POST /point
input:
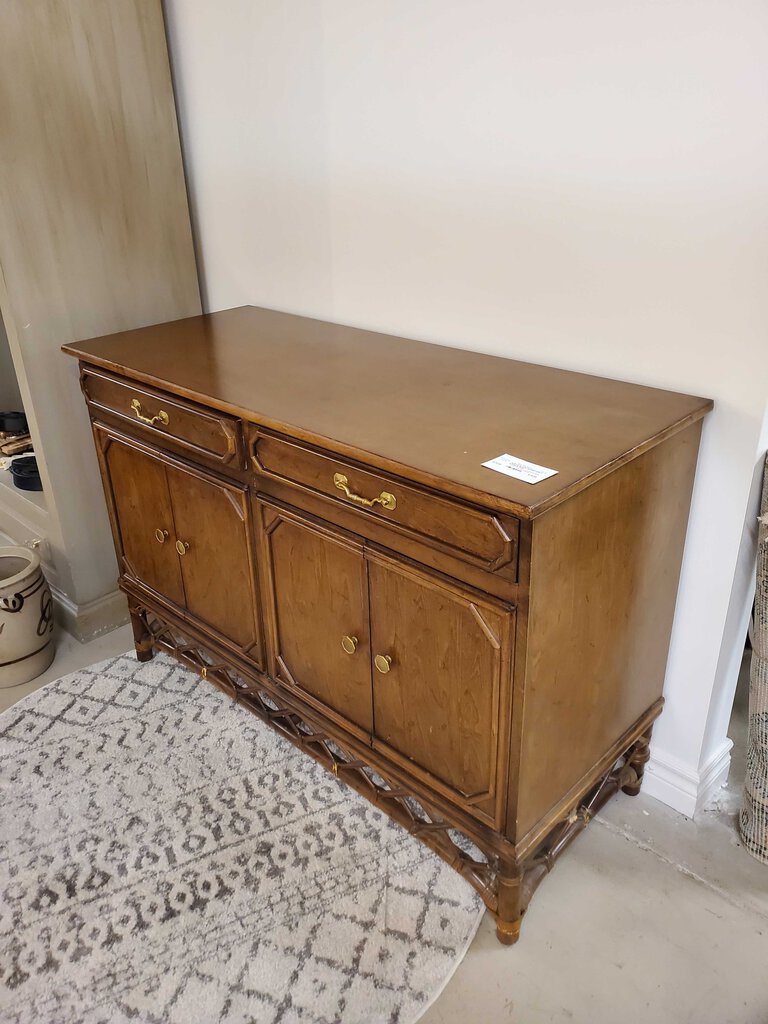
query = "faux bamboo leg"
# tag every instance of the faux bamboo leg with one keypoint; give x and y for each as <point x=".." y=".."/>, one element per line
<point x="142" y="638"/>
<point x="509" y="912"/>
<point x="638" y="759"/>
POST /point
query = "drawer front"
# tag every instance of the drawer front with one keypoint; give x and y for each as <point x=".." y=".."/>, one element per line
<point x="196" y="431"/>
<point x="473" y="534"/>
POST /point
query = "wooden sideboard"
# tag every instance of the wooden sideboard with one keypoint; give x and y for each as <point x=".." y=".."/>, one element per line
<point x="301" y="513"/>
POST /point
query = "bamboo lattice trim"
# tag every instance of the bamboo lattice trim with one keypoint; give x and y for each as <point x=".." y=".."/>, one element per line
<point x="480" y="868"/>
<point x="457" y="849"/>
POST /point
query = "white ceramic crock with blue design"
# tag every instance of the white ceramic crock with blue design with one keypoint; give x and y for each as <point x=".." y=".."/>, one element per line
<point x="26" y="617"/>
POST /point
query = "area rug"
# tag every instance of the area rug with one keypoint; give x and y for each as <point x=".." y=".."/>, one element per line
<point x="167" y="858"/>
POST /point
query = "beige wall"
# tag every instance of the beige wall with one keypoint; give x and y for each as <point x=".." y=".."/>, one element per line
<point x="580" y="184"/>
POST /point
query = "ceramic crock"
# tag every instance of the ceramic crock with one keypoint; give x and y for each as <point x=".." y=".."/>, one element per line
<point x="26" y="617"/>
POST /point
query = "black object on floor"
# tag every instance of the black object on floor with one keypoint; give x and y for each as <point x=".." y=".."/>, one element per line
<point x="13" y="423"/>
<point x="25" y="473"/>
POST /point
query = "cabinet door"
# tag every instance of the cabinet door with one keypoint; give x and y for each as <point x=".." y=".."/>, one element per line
<point x="144" y="527"/>
<point x="318" y="596"/>
<point x="214" y="550"/>
<point x="441" y="665"/>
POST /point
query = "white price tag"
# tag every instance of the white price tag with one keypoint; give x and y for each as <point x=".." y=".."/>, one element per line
<point x="510" y="465"/>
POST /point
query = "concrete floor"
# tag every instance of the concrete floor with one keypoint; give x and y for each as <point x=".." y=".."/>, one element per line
<point x="649" y="917"/>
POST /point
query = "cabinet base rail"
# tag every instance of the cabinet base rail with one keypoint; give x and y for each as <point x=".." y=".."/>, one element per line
<point x="504" y="883"/>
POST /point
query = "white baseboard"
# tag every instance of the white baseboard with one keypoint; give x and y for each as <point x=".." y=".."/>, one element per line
<point x="89" y="620"/>
<point x="714" y="775"/>
<point x="683" y="788"/>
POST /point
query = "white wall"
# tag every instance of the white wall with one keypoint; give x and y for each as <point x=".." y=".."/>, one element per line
<point x="739" y="613"/>
<point x="583" y="185"/>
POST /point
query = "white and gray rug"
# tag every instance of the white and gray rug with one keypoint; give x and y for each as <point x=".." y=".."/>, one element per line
<point x="167" y="858"/>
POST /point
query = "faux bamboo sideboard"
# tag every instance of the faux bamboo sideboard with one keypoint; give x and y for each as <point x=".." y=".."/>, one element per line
<point x="302" y="513"/>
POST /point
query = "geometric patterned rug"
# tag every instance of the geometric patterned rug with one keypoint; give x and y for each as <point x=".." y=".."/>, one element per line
<point x="165" y="858"/>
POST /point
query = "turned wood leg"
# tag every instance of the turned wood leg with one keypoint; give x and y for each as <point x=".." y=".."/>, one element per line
<point x="509" y="913"/>
<point x="638" y="759"/>
<point x="142" y="639"/>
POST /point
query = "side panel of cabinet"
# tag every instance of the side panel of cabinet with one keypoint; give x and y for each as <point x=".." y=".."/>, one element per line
<point x="315" y="595"/>
<point x="441" y="705"/>
<point x="605" y="569"/>
<point x="212" y="520"/>
<point x="137" y="492"/>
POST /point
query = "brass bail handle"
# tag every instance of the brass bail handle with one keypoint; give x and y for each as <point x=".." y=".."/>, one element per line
<point x="385" y="499"/>
<point x="161" y="417"/>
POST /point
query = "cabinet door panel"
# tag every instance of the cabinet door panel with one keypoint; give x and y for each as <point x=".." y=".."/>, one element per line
<point x="142" y="506"/>
<point x="437" y="704"/>
<point x="213" y="519"/>
<point x="319" y="595"/>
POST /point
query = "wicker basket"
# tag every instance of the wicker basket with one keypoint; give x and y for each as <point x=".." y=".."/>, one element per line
<point x="753" y="820"/>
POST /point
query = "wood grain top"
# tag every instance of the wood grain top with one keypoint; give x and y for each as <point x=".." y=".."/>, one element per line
<point x="429" y="412"/>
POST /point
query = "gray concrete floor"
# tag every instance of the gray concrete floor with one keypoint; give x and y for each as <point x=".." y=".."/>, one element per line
<point x="649" y="916"/>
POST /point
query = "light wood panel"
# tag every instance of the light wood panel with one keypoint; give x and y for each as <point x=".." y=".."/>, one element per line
<point x="94" y="228"/>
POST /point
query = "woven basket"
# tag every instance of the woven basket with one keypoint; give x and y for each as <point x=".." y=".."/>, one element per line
<point x="753" y="819"/>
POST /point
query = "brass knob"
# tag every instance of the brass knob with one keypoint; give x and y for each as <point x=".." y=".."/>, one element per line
<point x="161" y="536"/>
<point x="383" y="663"/>
<point x="349" y="643"/>
<point x="182" y="547"/>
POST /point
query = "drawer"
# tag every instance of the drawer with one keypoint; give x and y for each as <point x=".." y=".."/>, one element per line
<point x="195" y="431"/>
<point x="474" y="534"/>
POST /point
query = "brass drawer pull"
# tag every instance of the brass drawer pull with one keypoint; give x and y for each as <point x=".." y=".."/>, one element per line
<point x="349" y="643"/>
<point x="383" y="663"/>
<point x="385" y="499"/>
<point x="161" y="536"/>
<point x="182" y="547"/>
<point x="161" y="417"/>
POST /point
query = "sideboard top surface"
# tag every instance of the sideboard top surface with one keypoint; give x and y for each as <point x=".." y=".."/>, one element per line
<point x="433" y="412"/>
